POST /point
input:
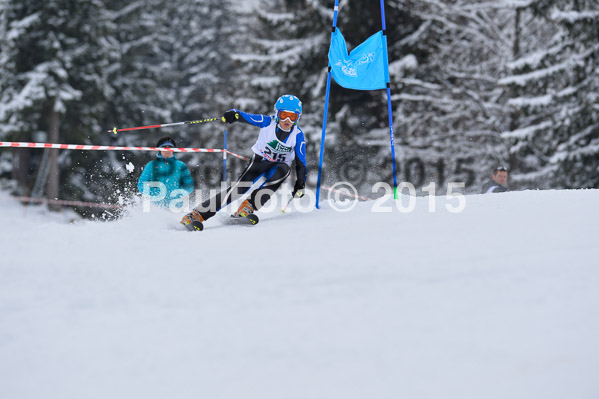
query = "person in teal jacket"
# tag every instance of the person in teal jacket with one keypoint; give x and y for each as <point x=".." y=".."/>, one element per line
<point x="171" y="172"/>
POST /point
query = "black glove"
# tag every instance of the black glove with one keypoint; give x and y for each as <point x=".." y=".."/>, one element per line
<point x="298" y="189"/>
<point x="231" y="116"/>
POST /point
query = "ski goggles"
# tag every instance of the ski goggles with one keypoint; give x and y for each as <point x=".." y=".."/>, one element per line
<point x="501" y="169"/>
<point x="292" y="116"/>
<point x="167" y="144"/>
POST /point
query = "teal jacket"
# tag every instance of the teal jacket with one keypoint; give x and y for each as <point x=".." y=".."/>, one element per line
<point x="169" y="171"/>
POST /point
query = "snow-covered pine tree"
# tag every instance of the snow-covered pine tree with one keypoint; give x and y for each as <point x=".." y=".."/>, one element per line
<point x="54" y="60"/>
<point x="282" y="49"/>
<point x="143" y="76"/>
<point x="201" y="56"/>
<point x="555" y="93"/>
<point x="361" y="147"/>
<point x="449" y="105"/>
<point x="15" y="163"/>
<point x="174" y="66"/>
<point x="287" y="53"/>
<point x="144" y="82"/>
<point x="284" y="52"/>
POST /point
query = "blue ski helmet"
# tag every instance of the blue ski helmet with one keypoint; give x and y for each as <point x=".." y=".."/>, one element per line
<point x="287" y="102"/>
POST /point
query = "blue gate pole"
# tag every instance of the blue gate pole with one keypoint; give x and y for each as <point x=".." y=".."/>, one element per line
<point x="324" y="128"/>
<point x="225" y="158"/>
<point x="326" y="110"/>
<point x="389" y="108"/>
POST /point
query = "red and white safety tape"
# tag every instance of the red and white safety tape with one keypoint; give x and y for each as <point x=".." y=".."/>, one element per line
<point x="82" y="147"/>
<point x="70" y="203"/>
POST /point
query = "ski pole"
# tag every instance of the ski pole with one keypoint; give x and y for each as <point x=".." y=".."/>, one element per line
<point x="291" y="199"/>
<point x="115" y="130"/>
<point x="287" y="206"/>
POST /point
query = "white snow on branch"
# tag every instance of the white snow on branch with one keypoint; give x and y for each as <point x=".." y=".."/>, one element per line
<point x="573" y="16"/>
<point x="17" y="27"/>
<point x="514" y="3"/>
<point x="511" y="4"/>
<point x="590" y="149"/>
<point x="246" y="57"/>
<point x="570" y="148"/>
<point x="531" y="60"/>
<point x="244" y="103"/>
<point x="278" y="45"/>
<point x="422" y="98"/>
<point x="247" y="6"/>
<point x="397" y="68"/>
<point x="276" y="18"/>
<point x="531" y="101"/>
<point x="31" y="92"/>
<point x="522" y="80"/>
<point x="566" y="92"/>
<point x="526" y="132"/>
<point x="532" y="176"/>
<point x="415" y="37"/>
<point x="288" y="51"/>
<point x="421" y="83"/>
<point x="266" y="81"/>
<point x="127" y="10"/>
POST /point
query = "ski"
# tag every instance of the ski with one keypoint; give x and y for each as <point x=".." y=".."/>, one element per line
<point x="249" y="220"/>
<point x="194" y="226"/>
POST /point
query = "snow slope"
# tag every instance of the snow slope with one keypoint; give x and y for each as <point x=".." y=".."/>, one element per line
<point x="498" y="301"/>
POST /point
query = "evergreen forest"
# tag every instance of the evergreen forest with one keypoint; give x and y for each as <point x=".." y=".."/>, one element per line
<point x="475" y="84"/>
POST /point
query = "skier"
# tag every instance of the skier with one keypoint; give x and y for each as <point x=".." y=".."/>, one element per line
<point x="279" y="142"/>
<point x="169" y="171"/>
<point x="498" y="182"/>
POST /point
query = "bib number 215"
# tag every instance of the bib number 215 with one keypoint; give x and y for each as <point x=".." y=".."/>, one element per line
<point x="275" y="156"/>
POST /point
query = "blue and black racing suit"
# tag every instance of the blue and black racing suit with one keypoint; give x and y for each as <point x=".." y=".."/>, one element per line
<point x="274" y="152"/>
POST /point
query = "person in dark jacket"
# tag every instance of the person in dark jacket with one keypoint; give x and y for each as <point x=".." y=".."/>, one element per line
<point x="498" y="182"/>
<point x="169" y="171"/>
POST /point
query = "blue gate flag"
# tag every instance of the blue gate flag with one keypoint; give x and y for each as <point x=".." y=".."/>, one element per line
<point x="364" y="68"/>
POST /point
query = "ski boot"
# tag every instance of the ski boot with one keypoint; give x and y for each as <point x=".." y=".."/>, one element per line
<point x="193" y="221"/>
<point x="245" y="214"/>
<point x="244" y="210"/>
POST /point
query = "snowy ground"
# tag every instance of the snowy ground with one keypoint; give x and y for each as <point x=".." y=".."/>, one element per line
<point x="498" y="301"/>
